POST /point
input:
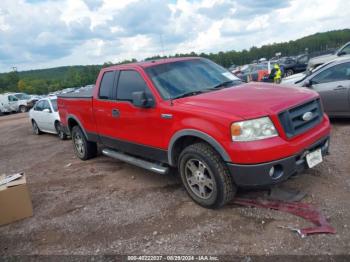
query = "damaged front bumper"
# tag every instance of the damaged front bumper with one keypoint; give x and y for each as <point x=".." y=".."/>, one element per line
<point x="271" y="173"/>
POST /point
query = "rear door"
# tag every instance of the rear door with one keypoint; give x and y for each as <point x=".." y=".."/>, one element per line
<point x="48" y="117"/>
<point x="104" y="108"/>
<point x="333" y="85"/>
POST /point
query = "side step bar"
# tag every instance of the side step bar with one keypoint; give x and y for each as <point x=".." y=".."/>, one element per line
<point x="136" y="161"/>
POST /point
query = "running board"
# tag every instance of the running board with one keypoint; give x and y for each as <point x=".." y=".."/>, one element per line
<point x="136" y="161"/>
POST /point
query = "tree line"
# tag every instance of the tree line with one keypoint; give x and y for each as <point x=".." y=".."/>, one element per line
<point x="44" y="81"/>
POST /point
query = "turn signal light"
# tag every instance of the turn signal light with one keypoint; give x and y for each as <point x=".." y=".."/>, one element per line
<point x="236" y="130"/>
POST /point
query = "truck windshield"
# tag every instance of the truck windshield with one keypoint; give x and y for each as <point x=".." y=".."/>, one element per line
<point x="177" y="79"/>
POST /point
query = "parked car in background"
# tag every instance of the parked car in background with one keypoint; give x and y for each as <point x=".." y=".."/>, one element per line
<point x="292" y="65"/>
<point x="296" y="78"/>
<point x="10" y="103"/>
<point x="26" y="101"/>
<point x="253" y="72"/>
<point x="44" y="117"/>
<point x="192" y="114"/>
<point x="332" y="82"/>
<point x="232" y="67"/>
<point x="319" y="60"/>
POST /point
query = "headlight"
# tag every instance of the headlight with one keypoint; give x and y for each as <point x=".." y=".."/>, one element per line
<point x="251" y="130"/>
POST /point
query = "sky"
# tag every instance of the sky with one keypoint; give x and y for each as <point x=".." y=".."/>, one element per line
<point x="48" y="33"/>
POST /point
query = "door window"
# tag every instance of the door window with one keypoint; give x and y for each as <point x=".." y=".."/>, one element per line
<point x="12" y="98"/>
<point x="106" y="86"/>
<point x="39" y="106"/>
<point x="336" y="73"/>
<point x="346" y="50"/>
<point x="54" y="104"/>
<point x="46" y="105"/>
<point x="129" y="81"/>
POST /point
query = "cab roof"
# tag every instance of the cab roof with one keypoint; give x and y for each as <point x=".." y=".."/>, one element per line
<point x="150" y="63"/>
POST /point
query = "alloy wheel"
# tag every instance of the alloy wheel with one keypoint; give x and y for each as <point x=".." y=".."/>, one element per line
<point x="35" y="128"/>
<point x="199" y="178"/>
<point x="79" y="144"/>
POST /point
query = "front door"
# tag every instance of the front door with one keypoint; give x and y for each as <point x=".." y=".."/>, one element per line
<point x="130" y="129"/>
<point x="13" y="103"/>
<point x="333" y="85"/>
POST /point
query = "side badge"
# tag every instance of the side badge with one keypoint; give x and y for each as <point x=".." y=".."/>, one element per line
<point x="167" y="116"/>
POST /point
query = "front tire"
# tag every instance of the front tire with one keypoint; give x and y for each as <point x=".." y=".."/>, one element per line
<point x="60" y="132"/>
<point x="83" y="148"/>
<point x="205" y="176"/>
<point x="36" y="129"/>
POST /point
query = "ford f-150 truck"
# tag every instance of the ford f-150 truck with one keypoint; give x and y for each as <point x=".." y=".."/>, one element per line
<point x="194" y="115"/>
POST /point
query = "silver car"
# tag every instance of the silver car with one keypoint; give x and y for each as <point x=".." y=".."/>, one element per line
<point x="332" y="82"/>
<point x="319" y="60"/>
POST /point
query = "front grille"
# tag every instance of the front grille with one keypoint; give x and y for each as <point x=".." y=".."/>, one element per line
<point x="292" y="119"/>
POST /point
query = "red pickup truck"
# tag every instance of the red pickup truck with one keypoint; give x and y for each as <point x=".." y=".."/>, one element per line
<point x="194" y="115"/>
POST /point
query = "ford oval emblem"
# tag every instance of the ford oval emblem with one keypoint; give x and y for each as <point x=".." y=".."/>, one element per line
<point x="307" y="116"/>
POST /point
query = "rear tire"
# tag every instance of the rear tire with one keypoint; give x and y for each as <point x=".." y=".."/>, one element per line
<point x="205" y="176"/>
<point x="36" y="129"/>
<point x="83" y="148"/>
<point x="60" y="131"/>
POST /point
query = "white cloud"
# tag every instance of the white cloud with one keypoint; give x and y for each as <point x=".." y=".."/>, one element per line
<point x="46" y="33"/>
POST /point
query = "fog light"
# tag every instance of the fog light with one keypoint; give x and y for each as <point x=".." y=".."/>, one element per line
<point x="272" y="171"/>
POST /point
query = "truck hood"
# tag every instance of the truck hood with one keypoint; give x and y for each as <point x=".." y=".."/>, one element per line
<point x="251" y="100"/>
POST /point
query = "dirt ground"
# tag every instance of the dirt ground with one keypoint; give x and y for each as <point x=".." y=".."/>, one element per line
<point x="103" y="206"/>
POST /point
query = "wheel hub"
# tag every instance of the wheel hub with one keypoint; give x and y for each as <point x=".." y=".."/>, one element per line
<point x="199" y="178"/>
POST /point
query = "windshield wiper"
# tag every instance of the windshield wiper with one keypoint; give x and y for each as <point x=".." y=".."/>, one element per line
<point x="222" y="84"/>
<point x="192" y="93"/>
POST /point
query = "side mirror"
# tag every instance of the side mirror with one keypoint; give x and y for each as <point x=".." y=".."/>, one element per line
<point x="47" y="110"/>
<point x="141" y="99"/>
<point x="308" y="84"/>
<point x="341" y="53"/>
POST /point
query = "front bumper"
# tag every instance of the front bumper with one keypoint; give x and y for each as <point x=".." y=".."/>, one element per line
<point x="258" y="174"/>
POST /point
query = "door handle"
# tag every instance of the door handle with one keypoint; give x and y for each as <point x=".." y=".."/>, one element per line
<point x="340" y="88"/>
<point x="115" y="113"/>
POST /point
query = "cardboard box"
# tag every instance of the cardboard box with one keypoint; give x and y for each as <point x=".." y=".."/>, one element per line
<point x="15" y="201"/>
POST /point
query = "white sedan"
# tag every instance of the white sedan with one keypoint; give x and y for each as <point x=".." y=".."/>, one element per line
<point x="45" y="118"/>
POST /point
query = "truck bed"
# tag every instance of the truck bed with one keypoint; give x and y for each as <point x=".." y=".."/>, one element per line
<point x="81" y="94"/>
<point x="77" y="106"/>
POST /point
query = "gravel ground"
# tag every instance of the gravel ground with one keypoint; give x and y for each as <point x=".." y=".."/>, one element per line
<point x="103" y="206"/>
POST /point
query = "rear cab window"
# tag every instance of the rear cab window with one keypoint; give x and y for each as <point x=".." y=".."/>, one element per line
<point x="107" y="85"/>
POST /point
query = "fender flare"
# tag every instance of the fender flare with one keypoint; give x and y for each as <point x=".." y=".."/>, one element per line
<point x="79" y="124"/>
<point x="204" y="136"/>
